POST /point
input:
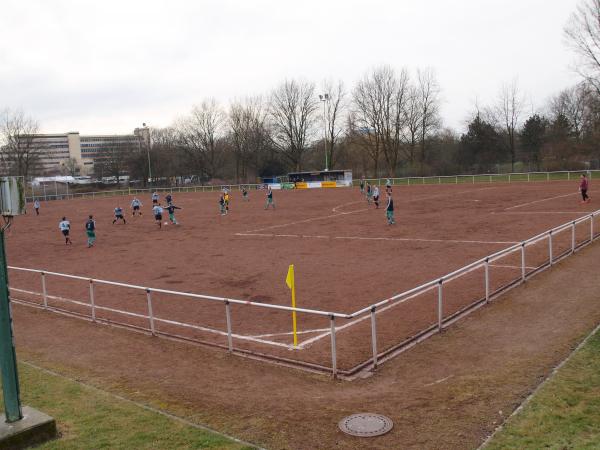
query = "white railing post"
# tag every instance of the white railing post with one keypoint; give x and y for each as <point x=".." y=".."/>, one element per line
<point x="150" y="315"/>
<point x="547" y="176"/>
<point x="550" y="247"/>
<point x="490" y="178"/>
<point x="573" y="237"/>
<point x="509" y="177"/>
<point x="228" y="317"/>
<point x="92" y="301"/>
<point x="591" y="227"/>
<point x="440" y="305"/>
<point x="439" y="180"/>
<point x="44" y="293"/>
<point x="523" y="261"/>
<point x="374" y="337"/>
<point x="455" y="179"/>
<point x="487" y="280"/>
<point x="473" y="179"/>
<point x="528" y="179"/>
<point x="569" y="176"/>
<point x="333" y="349"/>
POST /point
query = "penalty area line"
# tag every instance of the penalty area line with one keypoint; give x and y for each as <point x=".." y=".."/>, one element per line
<point x="539" y="201"/>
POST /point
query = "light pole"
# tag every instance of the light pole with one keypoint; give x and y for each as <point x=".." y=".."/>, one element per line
<point x="144" y="133"/>
<point x="325" y="98"/>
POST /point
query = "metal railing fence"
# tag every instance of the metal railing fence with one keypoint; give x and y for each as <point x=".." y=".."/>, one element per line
<point x="370" y="312"/>
<point x="52" y="192"/>
<point x="563" y="175"/>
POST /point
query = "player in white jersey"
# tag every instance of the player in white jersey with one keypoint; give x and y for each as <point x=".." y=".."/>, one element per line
<point x="135" y="206"/>
<point x="119" y="215"/>
<point x="155" y="198"/>
<point x="158" y="212"/>
<point x="65" y="226"/>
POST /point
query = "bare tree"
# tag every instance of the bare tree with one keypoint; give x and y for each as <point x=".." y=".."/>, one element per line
<point x="583" y="35"/>
<point x="413" y="122"/>
<point x="198" y="136"/>
<point x="429" y="105"/>
<point x="572" y="104"/>
<point x="507" y="113"/>
<point x="293" y="113"/>
<point x="18" y="152"/>
<point x="249" y="134"/>
<point x="71" y="167"/>
<point x="379" y="116"/>
<point x="114" y="162"/>
<point x="334" y="97"/>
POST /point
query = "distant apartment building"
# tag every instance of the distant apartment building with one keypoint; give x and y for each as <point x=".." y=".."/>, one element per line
<point x="57" y="153"/>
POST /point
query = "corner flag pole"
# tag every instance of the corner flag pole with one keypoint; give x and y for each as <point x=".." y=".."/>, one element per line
<point x="289" y="280"/>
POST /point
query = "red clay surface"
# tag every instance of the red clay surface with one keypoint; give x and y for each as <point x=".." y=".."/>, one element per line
<point x="346" y="257"/>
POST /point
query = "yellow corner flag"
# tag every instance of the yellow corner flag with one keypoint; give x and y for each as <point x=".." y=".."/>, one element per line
<point x="289" y="280"/>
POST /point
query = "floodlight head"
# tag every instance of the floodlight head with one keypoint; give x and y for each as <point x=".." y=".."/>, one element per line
<point x="144" y="124"/>
<point x="326" y="96"/>
<point x="320" y="97"/>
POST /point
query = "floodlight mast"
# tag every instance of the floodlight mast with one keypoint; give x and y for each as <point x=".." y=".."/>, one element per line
<point x="325" y="98"/>
<point x="8" y="357"/>
<point x="12" y="203"/>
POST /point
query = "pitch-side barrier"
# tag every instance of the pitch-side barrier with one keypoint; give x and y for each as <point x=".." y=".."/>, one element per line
<point x="566" y="235"/>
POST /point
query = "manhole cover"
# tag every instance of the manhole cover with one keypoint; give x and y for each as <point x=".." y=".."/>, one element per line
<point x="366" y="424"/>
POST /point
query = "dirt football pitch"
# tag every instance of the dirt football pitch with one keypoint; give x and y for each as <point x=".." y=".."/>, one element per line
<point x="345" y="255"/>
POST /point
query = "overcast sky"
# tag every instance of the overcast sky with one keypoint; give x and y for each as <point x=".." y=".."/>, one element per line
<point x="107" y="66"/>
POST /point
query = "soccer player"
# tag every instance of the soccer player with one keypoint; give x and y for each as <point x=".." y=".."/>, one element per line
<point x="65" y="226"/>
<point x="269" y="198"/>
<point x="376" y="197"/>
<point x="171" y="210"/>
<point x="155" y="198"/>
<point x="389" y="210"/>
<point x="583" y="188"/>
<point x="362" y="185"/>
<point x="369" y="193"/>
<point x="222" y="205"/>
<point x="36" y="206"/>
<point x="90" y="229"/>
<point x="119" y="215"/>
<point x="158" y="212"/>
<point x="135" y="206"/>
<point x="388" y="187"/>
<point x="226" y="199"/>
<point x="245" y="194"/>
<point x="169" y="199"/>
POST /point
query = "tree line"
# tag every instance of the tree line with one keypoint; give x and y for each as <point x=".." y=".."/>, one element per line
<point x="387" y="124"/>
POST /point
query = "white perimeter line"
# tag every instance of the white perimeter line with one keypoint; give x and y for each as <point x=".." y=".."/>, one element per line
<point x="539" y="201"/>
<point x="507" y="266"/>
<point x="458" y="241"/>
<point x="312" y="219"/>
<point x="377" y="311"/>
<point x="451" y="241"/>
<point x="289" y="333"/>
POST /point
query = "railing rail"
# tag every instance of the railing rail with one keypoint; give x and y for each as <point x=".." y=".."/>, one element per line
<point x="372" y="310"/>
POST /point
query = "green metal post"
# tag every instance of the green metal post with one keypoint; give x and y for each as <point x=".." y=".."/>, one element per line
<point x="8" y="358"/>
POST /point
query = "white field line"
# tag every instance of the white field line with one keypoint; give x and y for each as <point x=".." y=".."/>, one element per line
<point x="539" y="201"/>
<point x="290" y="333"/>
<point x="377" y="311"/>
<point x="335" y="210"/>
<point x="156" y="319"/>
<point x="451" y="241"/>
<point x="507" y="266"/>
<point x="312" y="219"/>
